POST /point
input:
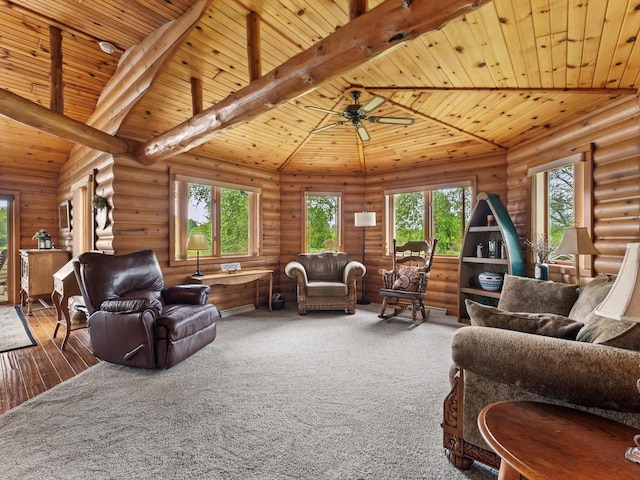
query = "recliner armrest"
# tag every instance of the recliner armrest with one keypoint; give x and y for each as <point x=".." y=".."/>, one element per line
<point x="192" y="294"/>
<point x="581" y="373"/>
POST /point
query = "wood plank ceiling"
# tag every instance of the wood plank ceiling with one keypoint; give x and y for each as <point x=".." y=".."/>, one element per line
<point x="483" y="83"/>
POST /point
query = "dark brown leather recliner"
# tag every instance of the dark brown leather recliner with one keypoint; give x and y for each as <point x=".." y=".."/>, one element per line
<point x="133" y="319"/>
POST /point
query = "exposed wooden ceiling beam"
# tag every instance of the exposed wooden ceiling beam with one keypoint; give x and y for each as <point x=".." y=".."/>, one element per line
<point x="24" y="111"/>
<point x="377" y="31"/>
<point x="57" y="86"/>
<point x="357" y="8"/>
<point x="583" y="91"/>
<point x="139" y="66"/>
<point x="442" y="124"/>
<point x="197" y="104"/>
<point x="254" y="52"/>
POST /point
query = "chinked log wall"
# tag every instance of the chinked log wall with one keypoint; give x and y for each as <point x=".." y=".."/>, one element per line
<point x="614" y="134"/>
<point x="487" y="173"/>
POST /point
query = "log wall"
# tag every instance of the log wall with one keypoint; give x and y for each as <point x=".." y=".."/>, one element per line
<point x="36" y="195"/>
<point x="613" y="134"/>
<point x="488" y="174"/>
<point x="139" y="216"/>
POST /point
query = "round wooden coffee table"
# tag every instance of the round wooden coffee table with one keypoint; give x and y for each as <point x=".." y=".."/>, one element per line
<point x="544" y="441"/>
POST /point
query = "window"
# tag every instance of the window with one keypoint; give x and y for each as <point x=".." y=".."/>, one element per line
<point x="423" y="214"/>
<point x="322" y="222"/>
<point x="560" y="197"/>
<point x="228" y="216"/>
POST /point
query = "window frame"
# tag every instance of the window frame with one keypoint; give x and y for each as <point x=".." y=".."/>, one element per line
<point x="389" y="210"/>
<point x="582" y="160"/>
<point x="339" y="219"/>
<point x="179" y="213"/>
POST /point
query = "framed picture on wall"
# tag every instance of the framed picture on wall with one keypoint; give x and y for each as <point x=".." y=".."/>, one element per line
<point x="65" y="215"/>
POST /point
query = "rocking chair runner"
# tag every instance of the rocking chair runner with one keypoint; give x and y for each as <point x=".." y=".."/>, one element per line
<point x="404" y="286"/>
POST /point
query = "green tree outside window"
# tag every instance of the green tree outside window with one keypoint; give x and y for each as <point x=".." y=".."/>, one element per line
<point x="322" y="222"/>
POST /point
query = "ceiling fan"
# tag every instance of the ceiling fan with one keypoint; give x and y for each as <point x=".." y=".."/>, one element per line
<point x="356" y="113"/>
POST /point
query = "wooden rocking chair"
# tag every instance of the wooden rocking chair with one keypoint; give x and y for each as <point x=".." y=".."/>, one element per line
<point x="404" y="286"/>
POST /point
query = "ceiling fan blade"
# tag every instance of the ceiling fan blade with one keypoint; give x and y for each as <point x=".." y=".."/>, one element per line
<point x="371" y="105"/>
<point x="362" y="132"/>
<point x="394" y="120"/>
<point x="324" y="110"/>
<point x="326" y="127"/>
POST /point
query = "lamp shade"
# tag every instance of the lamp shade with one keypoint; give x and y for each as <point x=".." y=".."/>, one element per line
<point x="576" y="241"/>
<point x="197" y="241"/>
<point x="365" y="219"/>
<point x="623" y="301"/>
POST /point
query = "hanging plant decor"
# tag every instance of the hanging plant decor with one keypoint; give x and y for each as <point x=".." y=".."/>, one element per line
<point x="100" y="209"/>
<point x="100" y="202"/>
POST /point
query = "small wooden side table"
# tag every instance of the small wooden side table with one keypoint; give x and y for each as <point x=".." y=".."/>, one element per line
<point x="65" y="286"/>
<point x="238" y="278"/>
<point x="539" y="441"/>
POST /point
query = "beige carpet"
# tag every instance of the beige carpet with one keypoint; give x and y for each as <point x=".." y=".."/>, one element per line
<point x="276" y="396"/>
<point x="14" y="332"/>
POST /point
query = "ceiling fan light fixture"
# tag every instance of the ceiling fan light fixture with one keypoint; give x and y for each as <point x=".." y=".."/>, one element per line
<point x="356" y="114"/>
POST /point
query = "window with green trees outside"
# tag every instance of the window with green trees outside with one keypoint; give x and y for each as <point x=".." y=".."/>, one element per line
<point x="322" y="222"/>
<point x="423" y="214"/>
<point x="226" y="214"/>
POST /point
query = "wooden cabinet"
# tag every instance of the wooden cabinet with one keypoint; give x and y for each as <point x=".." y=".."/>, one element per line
<point x="37" y="268"/>
<point x="489" y="223"/>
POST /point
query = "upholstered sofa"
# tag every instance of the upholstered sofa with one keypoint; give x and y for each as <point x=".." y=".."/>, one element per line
<point x="133" y="319"/>
<point x="325" y="281"/>
<point x="542" y="343"/>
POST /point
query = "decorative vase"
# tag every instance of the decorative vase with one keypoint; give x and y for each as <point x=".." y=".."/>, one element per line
<point x="490" y="281"/>
<point x="541" y="271"/>
<point x="101" y="218"/>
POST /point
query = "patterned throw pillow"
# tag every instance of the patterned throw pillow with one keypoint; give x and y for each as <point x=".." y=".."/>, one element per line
<point x="408" y="279"/>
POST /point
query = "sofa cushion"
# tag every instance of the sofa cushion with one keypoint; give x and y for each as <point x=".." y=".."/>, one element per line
<point x="327" y="289"/>
<point x="610" y="332"/>
<point x="590" y="296"/>
<point x="547" y="324"/>
<point x="408" y="279"/>
<point x="324" y="266"/>
<point x="521" y="294"/>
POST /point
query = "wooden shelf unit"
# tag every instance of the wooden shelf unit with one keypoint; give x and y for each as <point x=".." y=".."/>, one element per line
<point x="471" y="265"/>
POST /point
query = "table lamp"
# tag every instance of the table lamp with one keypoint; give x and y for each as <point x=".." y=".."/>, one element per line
<point x="623" y="303"/>
<point x="197" y="242"/>
<point x="576" y="241"/>
<point x="363" y="220"/>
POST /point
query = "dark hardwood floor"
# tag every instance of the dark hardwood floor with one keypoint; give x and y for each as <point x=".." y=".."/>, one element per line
<point x="27" y="372"/>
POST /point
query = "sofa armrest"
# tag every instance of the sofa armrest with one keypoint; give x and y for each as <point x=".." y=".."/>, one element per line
<point x="297" y="271"/>
<point x="192" y="294"/>
<point x="352" y="271"/>
<point x="581" y="373"/>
